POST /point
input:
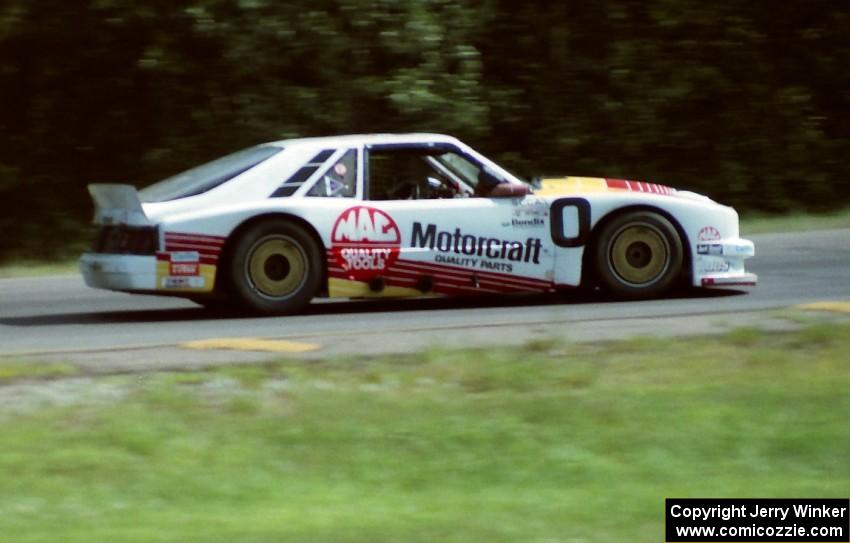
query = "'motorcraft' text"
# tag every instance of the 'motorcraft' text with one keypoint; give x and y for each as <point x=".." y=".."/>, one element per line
<point x="465" y="244"/>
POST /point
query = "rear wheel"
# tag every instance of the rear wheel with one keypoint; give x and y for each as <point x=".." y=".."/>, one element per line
<point x="275" y="267"/>
<point x="638" y="255"/>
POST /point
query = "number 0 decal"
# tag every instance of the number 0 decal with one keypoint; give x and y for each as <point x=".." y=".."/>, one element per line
<point x="581" y="228"/>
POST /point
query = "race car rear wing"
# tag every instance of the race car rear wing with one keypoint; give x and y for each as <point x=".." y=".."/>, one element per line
<point x="117" y="204"/>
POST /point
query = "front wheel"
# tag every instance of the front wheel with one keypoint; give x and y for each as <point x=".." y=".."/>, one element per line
<point x="638" y="255"/>
<point x="276" y="268"/>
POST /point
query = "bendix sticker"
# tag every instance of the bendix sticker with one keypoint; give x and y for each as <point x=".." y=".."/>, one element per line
<point x="365" y="242"/>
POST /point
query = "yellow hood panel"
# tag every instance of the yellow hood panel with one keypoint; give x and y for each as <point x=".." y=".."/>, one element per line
<point x="585" y="185"/>
<point x="571" y="185"/>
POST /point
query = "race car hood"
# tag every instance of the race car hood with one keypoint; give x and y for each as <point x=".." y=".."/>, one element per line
<point x="584" y="185"/>
<point x="117" y="204"/>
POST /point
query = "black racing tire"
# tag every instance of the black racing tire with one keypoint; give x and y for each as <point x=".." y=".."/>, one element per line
<point x="275" y="268"/>
<point x="638" y="255"/>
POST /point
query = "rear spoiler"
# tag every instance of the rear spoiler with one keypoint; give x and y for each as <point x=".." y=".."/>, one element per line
<point x="117" y="204"/>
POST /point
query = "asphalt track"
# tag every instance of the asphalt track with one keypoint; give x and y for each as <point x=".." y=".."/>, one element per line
<point x="60" y="317"/>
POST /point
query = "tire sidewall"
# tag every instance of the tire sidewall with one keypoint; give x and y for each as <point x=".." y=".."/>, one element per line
<point x="242" y="285"/>
<point x="608" y="277"/>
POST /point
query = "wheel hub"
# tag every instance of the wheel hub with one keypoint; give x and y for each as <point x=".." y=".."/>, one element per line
<point x="276" y="266"/>
<point x="639" y="254"/>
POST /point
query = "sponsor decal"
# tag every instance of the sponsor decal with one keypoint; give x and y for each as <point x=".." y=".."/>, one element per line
<point x="183" y="282"/>
<point x="188" y="261"/>
<point x="530" y="202"/>
<point x="183" y="263"/>
<point x="185" y="247"/>
<point x="365" y="242"/>
<point x="474" y="263"/>
<point x="469" y="251"/>
<point x="527" y="222"/>
<point x="709" y="233"/>
<point x="531" y="205"/>
<point x="185" y="256"/>
<point x="184" y="268"/>
<point x="529" y="213"/>
<point x="713" y="249"/>
<point x="716" y="266"/>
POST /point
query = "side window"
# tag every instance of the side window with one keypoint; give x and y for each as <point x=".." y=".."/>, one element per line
<point x="340" y="181"/>
<point x="410" y="174"/>
<point x="291" y="185"/>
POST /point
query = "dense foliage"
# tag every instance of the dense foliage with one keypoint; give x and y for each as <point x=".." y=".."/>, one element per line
<point x="747" y="101"/>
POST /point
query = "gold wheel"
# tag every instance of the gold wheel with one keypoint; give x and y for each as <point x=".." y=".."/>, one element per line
<point x="276" y="266"/>
<point x="639" y="254"/>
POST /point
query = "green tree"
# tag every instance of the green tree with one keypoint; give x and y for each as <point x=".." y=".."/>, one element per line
<point x="746" y="102"/>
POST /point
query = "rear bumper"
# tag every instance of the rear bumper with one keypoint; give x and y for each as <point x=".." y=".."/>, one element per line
<point x="172" y="274"/>
<point x="119" y="272"/>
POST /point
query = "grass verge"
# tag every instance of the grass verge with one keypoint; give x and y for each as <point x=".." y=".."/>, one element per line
<point x="797" y="222"/>
<point x="29" y="268"/>
<point x="12" y="370"/>
<point x="549" y="442"/>
<point x="28" y="263"/>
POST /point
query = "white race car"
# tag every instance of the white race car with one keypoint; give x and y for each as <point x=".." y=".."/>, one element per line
<point x="273" y="226"/>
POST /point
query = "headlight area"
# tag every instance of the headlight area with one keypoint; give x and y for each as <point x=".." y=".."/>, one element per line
<point x="721" y="263"/>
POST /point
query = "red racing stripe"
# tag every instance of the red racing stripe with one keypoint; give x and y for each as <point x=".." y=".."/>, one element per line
<point x="448" y="279"/>
<point x="639" y="186"/>
<point x="427" y="266"/>
<point x="195" y="238"/>
<point x="441" y="285"/>
<point x="207" y="247"/>
<point x="448" y="271"/>
<point x="192" y="248"/>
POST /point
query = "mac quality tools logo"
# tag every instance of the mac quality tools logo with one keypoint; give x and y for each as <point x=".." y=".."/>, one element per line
<point x="365" y="242"/>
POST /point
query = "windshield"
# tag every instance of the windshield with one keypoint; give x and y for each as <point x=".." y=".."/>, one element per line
<point x="461" y="167"/>
<point x="468" y="168"/>
<point x="207" y="176"/>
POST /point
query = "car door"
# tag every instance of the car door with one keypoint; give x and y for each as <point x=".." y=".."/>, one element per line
<point x="430" y="233"/>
